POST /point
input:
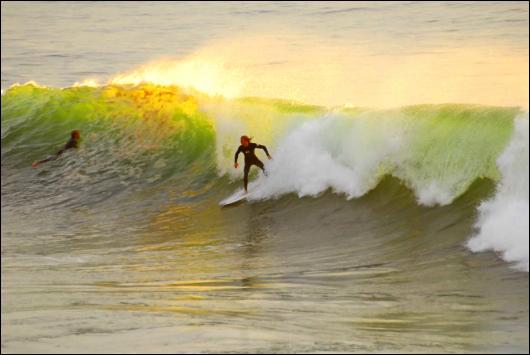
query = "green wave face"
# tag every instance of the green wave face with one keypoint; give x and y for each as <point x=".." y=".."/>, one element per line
<point x="148" y="149"/>
<point x="141" y="119"/>
<point x="452" y="145"/>
<point x="154" y="133"/>
<point x="134" y="140"/>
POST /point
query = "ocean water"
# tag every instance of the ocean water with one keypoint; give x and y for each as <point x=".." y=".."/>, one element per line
<point x="394" y="217"/>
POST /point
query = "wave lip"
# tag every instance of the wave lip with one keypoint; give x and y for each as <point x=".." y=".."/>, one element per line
<point x="503" y="220"/>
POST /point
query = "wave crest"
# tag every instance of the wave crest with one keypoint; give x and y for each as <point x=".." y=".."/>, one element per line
<point x="503" y="221"/>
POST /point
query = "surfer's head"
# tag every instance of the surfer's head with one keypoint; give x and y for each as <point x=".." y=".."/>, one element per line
<point x="75" y="134"/>
<point x="245" y="140"/>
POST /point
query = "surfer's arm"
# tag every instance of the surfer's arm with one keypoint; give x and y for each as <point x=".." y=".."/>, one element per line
<point x="236" y="156"/>
<point x="265" y="149"/>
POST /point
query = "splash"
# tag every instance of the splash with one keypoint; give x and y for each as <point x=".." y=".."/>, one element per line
<point x="210" y="76"/>
<point x="93" y="83"/>
<point x="503" y="222"/>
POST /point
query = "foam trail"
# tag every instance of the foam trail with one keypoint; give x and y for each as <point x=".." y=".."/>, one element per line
<point x="503" y="221"/>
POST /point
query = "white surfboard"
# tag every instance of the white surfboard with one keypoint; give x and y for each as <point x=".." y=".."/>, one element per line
<point x="236" y="197"/>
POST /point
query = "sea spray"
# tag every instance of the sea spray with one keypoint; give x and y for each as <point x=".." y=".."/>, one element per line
<point x="503" y="220"/>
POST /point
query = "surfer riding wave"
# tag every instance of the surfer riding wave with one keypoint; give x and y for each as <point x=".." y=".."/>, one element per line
<point x="247" y="148"/>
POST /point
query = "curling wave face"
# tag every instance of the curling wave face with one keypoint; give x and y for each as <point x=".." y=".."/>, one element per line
<point x="148" y="137"/>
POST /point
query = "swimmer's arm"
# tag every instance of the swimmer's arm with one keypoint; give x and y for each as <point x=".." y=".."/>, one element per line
<point x="53" y="157"/>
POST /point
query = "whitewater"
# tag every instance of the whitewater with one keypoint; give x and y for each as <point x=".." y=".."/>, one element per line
<point x="437" y="151"/>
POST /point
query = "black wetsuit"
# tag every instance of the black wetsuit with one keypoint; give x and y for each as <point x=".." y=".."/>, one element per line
<point x="250" y="158"/>
<point x="72" y="143"/>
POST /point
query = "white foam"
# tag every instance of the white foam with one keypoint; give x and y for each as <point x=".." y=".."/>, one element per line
<point x="347" y="155"/>
<point x="434" y="194"/>
<point x="503" y="221"/>
<point x="350" y="154"/>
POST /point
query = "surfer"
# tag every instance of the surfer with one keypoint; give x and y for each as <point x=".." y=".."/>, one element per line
<point x="250" y="158"/>
<point x="75" y="136"/>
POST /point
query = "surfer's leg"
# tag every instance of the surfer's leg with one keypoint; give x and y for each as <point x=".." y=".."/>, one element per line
<point x="260" y="165"/>
<point x="245" y="177"/>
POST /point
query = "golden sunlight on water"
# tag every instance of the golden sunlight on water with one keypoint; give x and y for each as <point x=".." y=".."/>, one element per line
<point x="328" y="74"/>
<point x="358" y="238"/>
